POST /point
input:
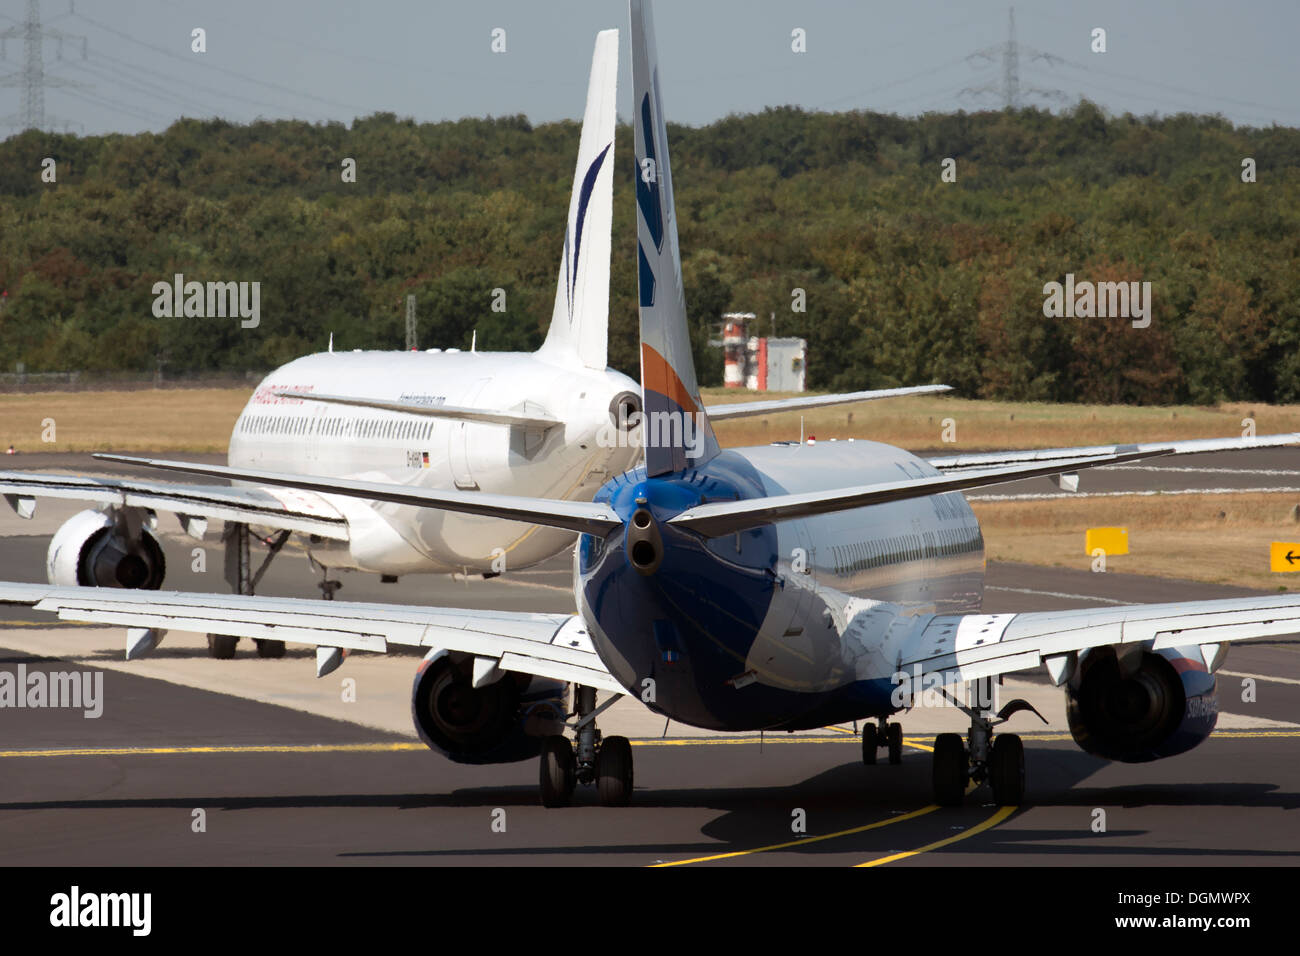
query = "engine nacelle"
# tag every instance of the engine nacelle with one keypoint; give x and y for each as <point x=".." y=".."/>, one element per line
<point x="94" y="550"/>
<point x="500" y="722"/>
<point x="1166" y="706"/>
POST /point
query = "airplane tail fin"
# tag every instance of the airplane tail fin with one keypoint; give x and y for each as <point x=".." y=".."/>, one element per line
<point x="580" y="321"/>
<point x="675" y="428"/>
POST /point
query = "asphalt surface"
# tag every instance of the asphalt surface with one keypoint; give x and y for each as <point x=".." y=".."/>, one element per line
<point x="279" y="786"/>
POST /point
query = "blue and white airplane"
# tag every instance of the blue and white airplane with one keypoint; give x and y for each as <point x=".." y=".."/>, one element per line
<point x="782" y="587"/>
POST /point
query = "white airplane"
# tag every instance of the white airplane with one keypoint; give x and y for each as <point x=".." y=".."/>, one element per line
<point x="781" y="587"/>
<point x="555" y="423"/>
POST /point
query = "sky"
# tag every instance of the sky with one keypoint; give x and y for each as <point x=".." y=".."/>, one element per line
<point x="433" y="60"/>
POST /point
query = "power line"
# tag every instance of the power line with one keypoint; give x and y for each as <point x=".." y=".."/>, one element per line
<point x="153" y="91"/>
<point x="189" y="61"/>
<point x="172" y="80"/>
<point x="139" y="113"/>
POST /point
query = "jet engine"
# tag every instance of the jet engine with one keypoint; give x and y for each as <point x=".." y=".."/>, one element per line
<point x="100" y="549"/>
<point x="501" y="720"/>
<point x="1141" y="705"/>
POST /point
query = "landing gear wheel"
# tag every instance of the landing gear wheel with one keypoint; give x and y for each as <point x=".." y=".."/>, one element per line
<point x="950" y="770"/>
<point x="894" y="737"/>
<point x="614" y="772"/>
<point x="222" y="646"/>
<point x="558" y="771"/>
<point x="269" y="648"/>
<point x="870" y="743"/>
<point x="1007" y="770"/>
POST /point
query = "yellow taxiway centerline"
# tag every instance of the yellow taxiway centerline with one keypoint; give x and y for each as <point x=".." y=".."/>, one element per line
<point x="1002" y="814"/>
<point x="805" y="840"/>
<point x="405" y="746"/>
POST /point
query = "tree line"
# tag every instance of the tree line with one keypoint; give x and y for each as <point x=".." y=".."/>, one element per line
<point x="906" y="275"/>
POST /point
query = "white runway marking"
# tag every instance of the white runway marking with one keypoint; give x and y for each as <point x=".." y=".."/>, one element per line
<point x="1263" y="677"/>
<point x="1059" y="594"/>
<point x="1205" y="471"/>
<point x="1119" y="494"/>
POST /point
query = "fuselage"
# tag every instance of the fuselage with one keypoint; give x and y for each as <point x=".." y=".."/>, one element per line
<point x="571" y="460"/>
<point x="786" y="625"/>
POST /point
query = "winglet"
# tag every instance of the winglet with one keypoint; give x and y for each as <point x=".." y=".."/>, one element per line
<point x="676" y="429"/>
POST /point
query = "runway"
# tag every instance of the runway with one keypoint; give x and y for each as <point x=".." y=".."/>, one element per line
<point x="285" y="773"/>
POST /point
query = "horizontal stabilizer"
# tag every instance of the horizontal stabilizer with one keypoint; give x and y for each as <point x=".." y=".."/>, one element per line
<point x="725" y="517"/>
<point x="718" y="413"/>
<point x="455" y="412"/>
<point x="581" y="516"/>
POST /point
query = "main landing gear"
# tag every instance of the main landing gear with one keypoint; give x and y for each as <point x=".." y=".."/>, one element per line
<point x="981" y="758"/>
<point x="887" y="735"/>
<point x="588" y="759"/>
<point x="243" y="580"/>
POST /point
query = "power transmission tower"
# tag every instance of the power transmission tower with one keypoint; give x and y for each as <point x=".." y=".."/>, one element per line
<point x="1009" y="52"/>
<point x="410" y="324"/>
<point x="32" y="78"/>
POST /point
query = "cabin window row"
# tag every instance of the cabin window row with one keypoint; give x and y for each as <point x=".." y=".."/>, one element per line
<point x="336" y="427"/>
<point x="865" y="555"/>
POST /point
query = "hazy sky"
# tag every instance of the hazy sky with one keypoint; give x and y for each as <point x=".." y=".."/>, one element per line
<point x="432" y="59"/>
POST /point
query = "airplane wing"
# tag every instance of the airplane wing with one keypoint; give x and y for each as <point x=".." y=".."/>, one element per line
<point x="718" y="413"/>
<point x="545" y="645"/>
<point x="965" y="647"/>
<point x="717" y="518"/>
<point x="582" y="516"/>
<point x="286" y="509"/>
<point x="537" y="419"/>
<point x="1194" y="446"/>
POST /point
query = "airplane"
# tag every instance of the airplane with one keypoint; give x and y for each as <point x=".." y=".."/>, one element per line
<point x="555" y="422"/>
<point x="782" y="587"/>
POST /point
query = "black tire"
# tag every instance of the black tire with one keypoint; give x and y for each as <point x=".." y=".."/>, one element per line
<point x="558" y="771"/>
<point x="614" y="772"/>
<point x="269" y="648"/>
<point x="894" y="737"/>
<point x="870" y="744"/>
<point x="222" y="646"/>
<point x="951" y="769"/>
<point x="1007" y="770"/>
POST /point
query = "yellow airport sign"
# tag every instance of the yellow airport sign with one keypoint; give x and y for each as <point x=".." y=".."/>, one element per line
<point x="1284" y="556"/>
<point x="1110" y="540"/>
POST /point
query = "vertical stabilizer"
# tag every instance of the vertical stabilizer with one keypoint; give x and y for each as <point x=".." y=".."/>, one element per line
<point x="579" y="331"/>
<point x="675" y="430"/>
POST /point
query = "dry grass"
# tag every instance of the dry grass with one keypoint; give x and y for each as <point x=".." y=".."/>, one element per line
<point x="1222" y="539"/>
<point x="191" y="420"/>
<point x="917" y="423"/>
<point x="200" y="420"/>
